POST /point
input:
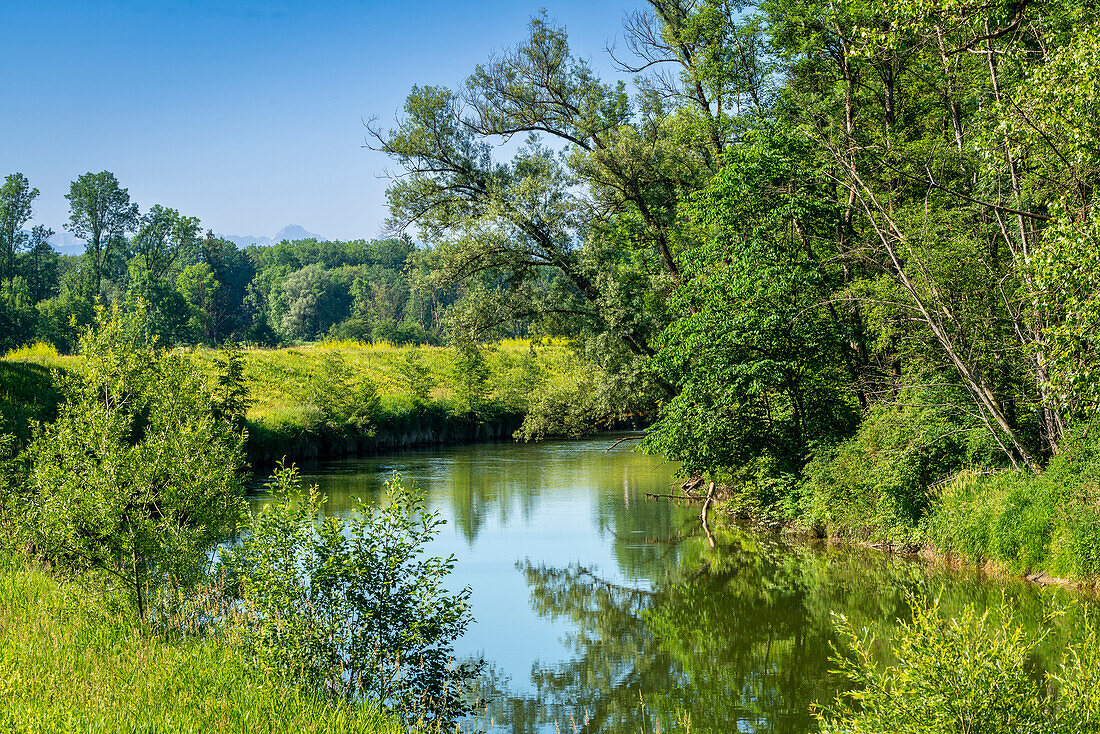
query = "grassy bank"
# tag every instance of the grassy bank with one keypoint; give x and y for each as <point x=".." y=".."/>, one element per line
<point x="1046" y="524"/>
<point x="918" y="478"/>
<point x="71" y="661"/>
<point x="303" y="400"/>
<point x="423" y="396"/>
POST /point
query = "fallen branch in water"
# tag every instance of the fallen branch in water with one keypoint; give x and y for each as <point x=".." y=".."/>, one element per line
<point x="703" y="514"/>
<point x="624" y="438"/>
<point x="688" y="497"/>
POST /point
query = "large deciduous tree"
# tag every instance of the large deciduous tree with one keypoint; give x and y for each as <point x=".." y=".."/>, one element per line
<point x="164" y="244"/>
<point x="16" y="200"/>
<point x="579" y="230"/>
<point x="101" y="213"/>
<point x="17" y="315"/>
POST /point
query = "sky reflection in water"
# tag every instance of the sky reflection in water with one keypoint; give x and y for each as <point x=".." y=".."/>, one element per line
<point x="600" y="611"/>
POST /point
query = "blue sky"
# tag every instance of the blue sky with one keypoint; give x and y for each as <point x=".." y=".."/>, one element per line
<point x="246" y="114"/>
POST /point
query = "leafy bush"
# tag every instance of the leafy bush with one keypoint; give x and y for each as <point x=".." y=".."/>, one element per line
<point x="415" y="377"/>
<point x="61" y="318"/>
<point x="876" y="484"/>
<point x="354" y="606"/>
<point x="138" y="476"/>
<point x="973" y="674"/>
<point x="470" y="375"/>
<point x="345" y="399"/>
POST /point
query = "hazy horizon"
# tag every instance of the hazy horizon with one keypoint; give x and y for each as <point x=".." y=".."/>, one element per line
<point x="248" y="115"/>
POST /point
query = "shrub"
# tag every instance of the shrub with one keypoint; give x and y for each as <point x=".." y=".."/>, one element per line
<point x="346" y="400"/>
<point x="973" y="674"/>
<point x="415" y="377"/>
<point x="877" y="483"/>
<point x="470" y="375"/>
<point x="138" y="476"/>
<point x="354" y="606"/>
<point x="75" y="662"/>
<point x="38" y="351"/>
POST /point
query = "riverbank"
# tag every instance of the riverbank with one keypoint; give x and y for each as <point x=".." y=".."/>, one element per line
<point x="1043" y="527"/>
<point x="72" y="660"/>
<point x="335" y="399"/>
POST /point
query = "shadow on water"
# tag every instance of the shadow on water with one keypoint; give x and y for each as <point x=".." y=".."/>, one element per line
<point x="600" y="612"/>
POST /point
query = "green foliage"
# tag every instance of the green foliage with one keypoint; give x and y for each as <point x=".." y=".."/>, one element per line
<point x="354" y="607"/>
<point x="64" y="316"/>
<point x="1065" y="273"/>
<point x="416" y="377"/>
<point x="16" y="201"/>
<point x="877" y="483"/>
<point x="17" y="314"/>
<point x="28" y="393"/>
<point x="345" y="399"/>
<point x="521" y="381"/>
<point x="967" y="673"/>
<point x="200" y="289"/>
<point x="71" y="661"/>
<point x="1026" y="523"/>
<point x="311" y="302"/>
<point x="101" y="213"/>
<point x="757" y="361"/>
<point x="470" y="374"/>
<point x="168" y="312"/>
<point x="7" y="489"/>
<point x="164" y="238"/>
<point x="137" y="477"/>
<point x="569" y="407"/>
<point x="18" y="318"/>
<point x="577" y="242"/>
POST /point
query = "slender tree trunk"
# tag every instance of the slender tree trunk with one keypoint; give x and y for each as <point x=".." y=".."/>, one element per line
<point x="1050" y="411"/>
<point x="972" y="377"/>
<point x="137" y="580"/>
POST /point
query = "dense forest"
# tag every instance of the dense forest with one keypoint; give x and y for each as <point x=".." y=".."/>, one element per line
<point x="201" y="289"/>
<point x="842" y="251"/>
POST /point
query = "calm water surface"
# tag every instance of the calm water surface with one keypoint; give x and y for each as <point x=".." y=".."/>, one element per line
<point x="599" y="611"/>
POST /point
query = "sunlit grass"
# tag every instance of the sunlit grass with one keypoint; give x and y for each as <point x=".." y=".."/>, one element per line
<point x="284" y="417"/>
<point x="71" y="661"/>
<point x="39" y="351"/>
<point x="278" y="379"/>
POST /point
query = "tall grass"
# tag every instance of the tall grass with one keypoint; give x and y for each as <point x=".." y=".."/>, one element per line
<point x="1026" y="523"/>
<point x="278" y="377"/>
<point x="73" y="661"/>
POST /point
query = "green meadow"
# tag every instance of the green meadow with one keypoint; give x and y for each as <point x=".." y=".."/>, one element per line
<point x="303" y="400"/>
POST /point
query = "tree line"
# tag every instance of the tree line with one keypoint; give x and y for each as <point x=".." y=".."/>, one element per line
<point x="199" y="289"/>
<point x="807" y="224"/>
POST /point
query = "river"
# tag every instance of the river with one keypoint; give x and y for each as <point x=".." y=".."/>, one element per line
<point x="599" y="610"/>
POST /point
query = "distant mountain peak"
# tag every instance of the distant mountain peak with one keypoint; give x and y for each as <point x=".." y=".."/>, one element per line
<point x="290" y="233"/>
<point x="295" y="232"/>
<point x="67" y="243"/>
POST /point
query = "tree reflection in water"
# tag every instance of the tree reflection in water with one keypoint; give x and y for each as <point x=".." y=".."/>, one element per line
<point x="734" y="638"/>
<point x="658" y="626"/>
